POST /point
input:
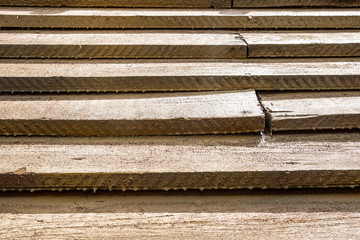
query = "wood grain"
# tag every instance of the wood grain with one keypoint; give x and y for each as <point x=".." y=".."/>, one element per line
<point x="122" y="44"/>
<point x="120" y="3"/>
<point x="303" y="44"/>
<point x="294" y="3"/>
<point x="198" y="162"/>
<point x="162" y="216"/>
<point x="106" y="18"/>
<point x="126" y="114"/>
<point x="177" y="75"/>
<point x="312" y="110"/>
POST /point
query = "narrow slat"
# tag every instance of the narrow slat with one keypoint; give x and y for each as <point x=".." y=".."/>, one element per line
<point x="120" y="3"/>
<point x="313" y="110"/>
<point x="197" y="162"/>
<point x="177" y="75"/>
<point x="294" y="3"/>
<point x="136" y="114"/>
<point x="122" y="44"/>
<point x="181" y="18"/>
<point x="303" y="44"/>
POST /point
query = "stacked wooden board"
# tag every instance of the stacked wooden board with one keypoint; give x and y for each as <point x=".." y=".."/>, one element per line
<point x="154" y="95"/>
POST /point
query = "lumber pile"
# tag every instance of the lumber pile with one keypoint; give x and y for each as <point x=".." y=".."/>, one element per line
<point x="151" y="101"/>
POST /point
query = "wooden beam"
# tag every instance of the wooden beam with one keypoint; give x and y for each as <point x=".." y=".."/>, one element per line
<point x="124" y="44"/>
<point x="177" y="75"/>
<point x="295" y="3"/>
<point x="136" y="114"/>
<point x="303" y="44"/>
<point x="198" y="162"/>
<point x="191" y="216"/>
<point x="120" y="3"/>
<point x="161" y="18"/>
<point x="312" y="110"/>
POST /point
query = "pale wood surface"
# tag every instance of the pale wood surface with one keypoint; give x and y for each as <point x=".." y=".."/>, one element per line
<point x="199" y="162"/>
<point x="312" y="110"/>
<point x="298" y="215"/>
<point x="294" y="3"/>
<point x="303" y="43"/>
<point x="126" y="114"/>
<point x="120" y="3"/>
<point x="177" y="18"/>
<point x="121" y="44"/>
<point x="177" y="75"/>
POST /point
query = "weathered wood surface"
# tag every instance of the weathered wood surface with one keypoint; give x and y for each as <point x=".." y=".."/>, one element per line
<point x="122" y="44"/>
<point x="294" y="3"/>
<point x="312" y="110"/>
<point x="303" y="43"/>
<point x="126" y="114"/>
<point x="198" y="162"/>
<point x="298" y="215"/>
<point x="162" y="18"/>
<point x="177" y="75"/>
<point x="121" y="3"/>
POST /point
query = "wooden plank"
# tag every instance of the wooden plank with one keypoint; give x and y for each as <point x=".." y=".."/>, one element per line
<point x="123" y="44"/>
<point x="120" y="3"/>
<point x="197" y="216"/>
<point x="197" y="162"/>
<point x="126" y="114"/>
<point x="312" y="110"/>
<point x="177" y="75"/>
<point x="180" y="18"/>
<point x="303" y="44"/>
<point x="294" y="3"/>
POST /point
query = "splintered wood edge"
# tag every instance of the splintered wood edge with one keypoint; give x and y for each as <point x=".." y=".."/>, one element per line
<point x="317" y="161"/>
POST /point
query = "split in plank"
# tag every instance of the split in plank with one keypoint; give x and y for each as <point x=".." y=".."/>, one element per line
<point x="177" y="75"/>
<point x="131" y="114"/>
<point x="120" y="3"/>
<point x="192" y="162"/>
<point x="312" y="110"/>
<point x="295" y="3"/>
<point x="303" y="44"/>
<point x="121" y="44"/>
<point x="177" y="18"/>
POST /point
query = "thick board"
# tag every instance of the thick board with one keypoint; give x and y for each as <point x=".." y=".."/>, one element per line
<point x="121" y="44"/>
<point x="131" y="114"/>
<point x="294" y="215"/>
<point x="312" y="110"/>
<point x="181" y="18"/>
<point x="179" y="162"/>
<point x="120" y="3"/>
<point x="303" y="44"/>
<point x="177" y="75"/>
<point x="294" y="3"/>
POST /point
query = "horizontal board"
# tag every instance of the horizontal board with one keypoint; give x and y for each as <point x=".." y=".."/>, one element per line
<point x="200" y="216"/>
<point x="193" y="162"/>
<point x="303" y="44"/>
<point x="136" y="114"/>
<point x="121" y="3"/>
<point x="177" y="75"/>
<point x="125" y="44"/>
<point x="312" y="110"/>
<point x="182" y="18"/>
<point x="294" y="3"/>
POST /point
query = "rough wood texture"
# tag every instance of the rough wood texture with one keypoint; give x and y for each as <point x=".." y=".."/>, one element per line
<point x="303" y="44"/>
<point x="177" y="75"/>
<point x="312" y="110"/>
<point x="121" y="3"/>
<point x="125" y="114"/>
<point x="198" y="162"/>
<point x="122" y="44"/>
<point x="294" y="3"/>
<point x="162" y="18"/>
<point x="298" y="215"/>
